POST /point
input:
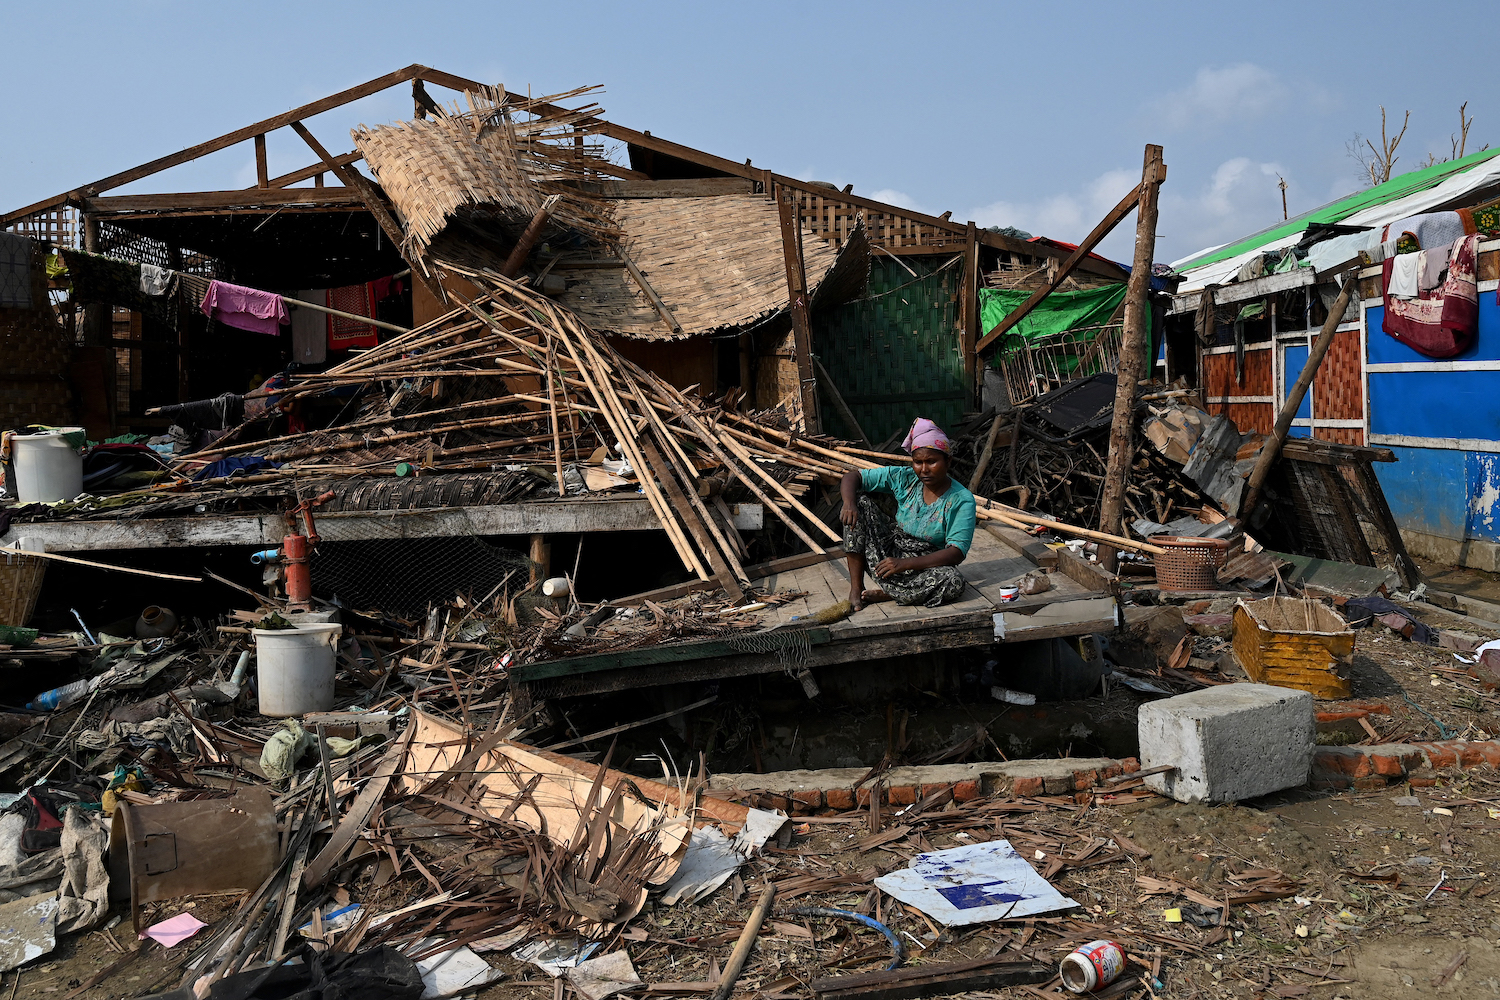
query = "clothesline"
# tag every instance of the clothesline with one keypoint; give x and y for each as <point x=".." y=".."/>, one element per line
<point x="196" y="279"/>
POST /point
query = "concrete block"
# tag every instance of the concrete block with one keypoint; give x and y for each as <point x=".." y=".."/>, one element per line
<point x="1231" y="742"/>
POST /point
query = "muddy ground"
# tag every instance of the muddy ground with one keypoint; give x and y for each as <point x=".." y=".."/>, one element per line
<point x="1392" y="888"/>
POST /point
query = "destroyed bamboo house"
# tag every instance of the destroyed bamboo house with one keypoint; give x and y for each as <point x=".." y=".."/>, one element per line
<point x="546" y="297"/>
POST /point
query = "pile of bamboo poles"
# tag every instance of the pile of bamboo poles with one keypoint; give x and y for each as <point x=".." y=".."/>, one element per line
<point x="563" y="392"/>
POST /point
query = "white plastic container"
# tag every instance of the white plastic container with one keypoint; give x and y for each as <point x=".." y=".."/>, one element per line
<point x="295" y="668"/>
<point x="46" y="467"/>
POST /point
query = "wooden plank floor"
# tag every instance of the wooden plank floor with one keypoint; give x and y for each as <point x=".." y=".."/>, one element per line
<point x="991" y="564"/>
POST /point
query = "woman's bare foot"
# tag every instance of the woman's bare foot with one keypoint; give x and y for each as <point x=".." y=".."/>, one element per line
<point x="857" y="598"/>
<point x="875" y="596"/>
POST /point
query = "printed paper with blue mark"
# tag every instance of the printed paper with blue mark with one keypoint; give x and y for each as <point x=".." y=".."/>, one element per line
<point x="974" y="884"/>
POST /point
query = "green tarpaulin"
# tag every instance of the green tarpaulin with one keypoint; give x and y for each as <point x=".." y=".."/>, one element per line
<point x="1057" y="312"/>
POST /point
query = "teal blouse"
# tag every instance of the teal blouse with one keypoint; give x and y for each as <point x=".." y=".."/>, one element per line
<point x="947" y="521"/>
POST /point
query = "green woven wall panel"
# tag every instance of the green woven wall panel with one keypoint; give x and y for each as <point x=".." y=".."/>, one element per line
<point x="894" y="354"/>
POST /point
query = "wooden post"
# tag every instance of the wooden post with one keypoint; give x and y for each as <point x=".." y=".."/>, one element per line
<point x="532" y="233"/>
<point x="796" y="284"/>
<point x="262" y="173"/>
<point x="541" y="557"/>
<point x="1133" y="346"/>
<point x="1272" y="447"/>
<point x="969" y="339"/>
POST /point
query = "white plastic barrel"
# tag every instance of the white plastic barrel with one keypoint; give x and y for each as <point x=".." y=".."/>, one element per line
<point x="46" y="467"/>
<point x="295" y="668"/>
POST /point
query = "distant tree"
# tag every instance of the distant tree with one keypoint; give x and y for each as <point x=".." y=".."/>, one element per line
<point x="1011" y="231"/>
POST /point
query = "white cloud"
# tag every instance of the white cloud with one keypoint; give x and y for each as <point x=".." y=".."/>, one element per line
<point x="1223" y="94"/>
<point x="900" y="199"/>
<point x="1240" y="197"/>
<point x="1068" y="216"/>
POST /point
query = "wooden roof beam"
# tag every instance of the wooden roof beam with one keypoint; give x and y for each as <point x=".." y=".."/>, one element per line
<point x="317" y="107"/>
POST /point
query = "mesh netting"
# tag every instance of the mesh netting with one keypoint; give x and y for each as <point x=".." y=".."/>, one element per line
<point x="404" y="576"/>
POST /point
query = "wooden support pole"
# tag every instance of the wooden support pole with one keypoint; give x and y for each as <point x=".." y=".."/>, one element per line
<point x="262" y="173"/>
<point x="533" y="232"/>
<point x="1103" y="229"/>
<point x="796" y="284"/>
<point x="541" y="558"/>
<point x="657" y="302"/>
<point x="1294" y="395"/>
<point x="1132" y="366"/>
<point x="969" y="338"/>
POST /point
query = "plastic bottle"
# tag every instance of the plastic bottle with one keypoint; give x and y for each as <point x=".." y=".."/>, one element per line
<point x="1096" y="964"/>
<point x="59" y="697"/>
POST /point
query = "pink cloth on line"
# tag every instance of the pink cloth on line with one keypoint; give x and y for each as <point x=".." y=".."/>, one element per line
<point x="925" y="434"/>
<point x="245" y="308"/>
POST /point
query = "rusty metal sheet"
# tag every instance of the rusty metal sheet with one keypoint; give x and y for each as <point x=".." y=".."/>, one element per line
<point x="173" y="849"/>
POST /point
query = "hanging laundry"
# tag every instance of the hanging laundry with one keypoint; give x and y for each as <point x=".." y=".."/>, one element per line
<point x="1431" y="266"/>
<point x="310" y="328"/>
<point x="346" y="333"/>
<point x="245" y="308"/>
<point x="1403" y="272"/>
<point x="1431" y="229"/>
<point x="155" y="280"/>
<point x="15" y="271"/>
<point x="1441" y="323"/>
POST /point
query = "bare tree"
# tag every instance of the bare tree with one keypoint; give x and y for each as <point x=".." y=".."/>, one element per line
<point x="1385" y="157"/>
<point x="1461" y="140"/>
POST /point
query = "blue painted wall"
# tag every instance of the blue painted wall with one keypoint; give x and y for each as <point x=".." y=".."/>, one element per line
<point x="1453" y="494"/>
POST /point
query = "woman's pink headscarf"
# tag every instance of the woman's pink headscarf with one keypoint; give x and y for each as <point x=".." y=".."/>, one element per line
<point x="925" y="434"/>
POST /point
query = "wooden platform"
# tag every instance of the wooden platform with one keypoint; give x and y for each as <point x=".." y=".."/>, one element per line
<point x="609" y="512"/>
<point x="1081" y="602"/>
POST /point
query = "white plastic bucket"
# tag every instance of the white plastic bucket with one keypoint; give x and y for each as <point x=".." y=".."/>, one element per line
<point x="46" y="467"/>
<point x="295" y="668"/>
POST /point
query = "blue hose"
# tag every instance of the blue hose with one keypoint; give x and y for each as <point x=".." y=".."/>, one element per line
<point x="824" y="911"/>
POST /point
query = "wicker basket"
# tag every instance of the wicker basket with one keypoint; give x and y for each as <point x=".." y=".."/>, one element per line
<point x="1189" y="563"/>
<point x="20" y="585"/>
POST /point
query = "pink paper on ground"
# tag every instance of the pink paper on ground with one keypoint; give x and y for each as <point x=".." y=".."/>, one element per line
<point x="174" y="930"/>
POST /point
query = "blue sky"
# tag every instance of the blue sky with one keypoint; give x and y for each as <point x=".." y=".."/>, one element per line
<point x="1027" y="115"/>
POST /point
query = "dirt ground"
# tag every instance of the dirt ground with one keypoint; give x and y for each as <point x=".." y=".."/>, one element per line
<point x="1392" y="889"/>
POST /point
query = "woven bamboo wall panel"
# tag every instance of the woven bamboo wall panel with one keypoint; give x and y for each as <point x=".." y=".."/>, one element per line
<point x="1337" y="388"/>
<point x="1219" y="380"/>
<point x="1341" y="435"/>
<point x="894" y="353"/>
<point x="34" y="357"/>
<point x="1250" y="418"/>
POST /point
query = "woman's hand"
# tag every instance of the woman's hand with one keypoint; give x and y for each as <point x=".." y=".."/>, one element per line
<point x="890" y="566"/>
<point x="849" y="515"/>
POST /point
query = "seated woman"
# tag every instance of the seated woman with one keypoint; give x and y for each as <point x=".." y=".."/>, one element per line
<point x="915" y="558"/>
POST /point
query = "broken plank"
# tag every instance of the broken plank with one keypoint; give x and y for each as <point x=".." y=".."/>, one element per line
<point x="1038" y="552"/>
<point x="932" y="980"/>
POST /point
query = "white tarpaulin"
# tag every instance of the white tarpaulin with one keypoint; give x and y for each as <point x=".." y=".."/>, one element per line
<point x="973" y="884"/>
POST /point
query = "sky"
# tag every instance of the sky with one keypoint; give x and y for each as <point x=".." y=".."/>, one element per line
<point x="1027" y="115"/>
